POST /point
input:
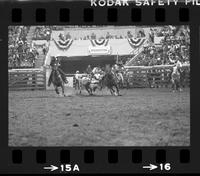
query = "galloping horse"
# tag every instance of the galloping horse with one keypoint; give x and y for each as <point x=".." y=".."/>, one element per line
<point x="110" y="81"/>
<point x="57" y="77"/>
<point x="119" y="78"/>
<point x="176" y="79"/>
<point x="119" y="74"/>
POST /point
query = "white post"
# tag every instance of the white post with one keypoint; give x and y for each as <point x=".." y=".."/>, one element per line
<point x="48" y="72"/>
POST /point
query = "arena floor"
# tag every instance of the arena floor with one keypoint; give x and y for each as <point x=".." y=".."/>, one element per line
<point x="140" y="117"/>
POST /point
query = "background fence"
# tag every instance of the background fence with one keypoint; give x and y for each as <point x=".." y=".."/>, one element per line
<point x="27" y="79"/>
<point x="156" y="76"/>
<point x="139" y="77"/>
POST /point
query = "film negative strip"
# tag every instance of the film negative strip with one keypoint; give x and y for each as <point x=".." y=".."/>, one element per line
<point x="104" y="86"/>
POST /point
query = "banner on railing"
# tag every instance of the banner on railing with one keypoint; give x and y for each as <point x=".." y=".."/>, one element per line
<point x="63" y="44"/>
<point x="155" y="66"/>
<point x="99" y="42"/>
<point x="136" y="42"/>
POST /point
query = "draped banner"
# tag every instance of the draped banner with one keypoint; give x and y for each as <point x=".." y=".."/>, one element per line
<point x="64" y="45"/>
<point x="99" y="42"/>
<point x="136" y="42"/>
<point x="62" y="42"/>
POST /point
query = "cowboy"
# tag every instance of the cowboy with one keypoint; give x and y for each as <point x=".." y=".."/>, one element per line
<point x="77" y="77"/>
<point x="178" y="63"/>
<point x="55" y="64"/>
<point x="51" y="65"/>
<point x="89" y="69"/>
<point x="62" y="73"/>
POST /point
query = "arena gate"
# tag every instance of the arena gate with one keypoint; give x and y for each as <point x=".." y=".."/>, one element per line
<point x="155" y="76"/>
<point x="27" y="79"/>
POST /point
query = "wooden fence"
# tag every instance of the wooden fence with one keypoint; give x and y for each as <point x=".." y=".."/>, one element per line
<point x="155" y="76"/>
<point x="27" y="79"/>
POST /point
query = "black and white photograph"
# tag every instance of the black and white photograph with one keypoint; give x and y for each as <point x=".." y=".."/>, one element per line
<point x="98" y="85"/>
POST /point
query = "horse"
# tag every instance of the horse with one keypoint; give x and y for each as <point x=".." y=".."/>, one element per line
<point x="84" y="82"/>
<point x="89" y="83"/>
<point x="120" y="79"/>
<point x="58" y="78"/>
<point x="109" y="80"/>
<point x="176" y="79"/>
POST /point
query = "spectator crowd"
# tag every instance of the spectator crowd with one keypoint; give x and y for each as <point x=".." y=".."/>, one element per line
<point x="20" y="53"/>
<point x="42" y="33"/>
<point x="85" y="33"/>
<point x="174" y="46"/>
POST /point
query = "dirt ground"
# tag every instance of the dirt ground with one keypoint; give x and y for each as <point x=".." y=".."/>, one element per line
<point x="140" y="117"/>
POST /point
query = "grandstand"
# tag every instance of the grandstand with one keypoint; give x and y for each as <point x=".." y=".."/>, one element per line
<point x="79" y="46"/>
<point x="23" y="54"/>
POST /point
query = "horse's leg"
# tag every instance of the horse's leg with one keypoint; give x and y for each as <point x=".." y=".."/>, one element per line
<point x="63" y="90"/>
<point x="180" y="85"/>
<point x="79" y="87"/>
<point x="117" y="90"/>
<point x="87" y="88"/>
<point x="128" y="84"/>
<point x="111" y="91"/>
<point x="56" y="89"/>
<point x="114" y="91"/>
<point x="176" y="83"/>
<point x="94" y="89"/>
<point x="75" y="85"/>
<point x="90" y="90"/>
<point x="120" y="84"/>
<point x="173" y="85"/>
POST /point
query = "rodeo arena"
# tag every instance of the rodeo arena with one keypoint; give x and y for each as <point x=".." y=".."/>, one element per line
<point x="99" y="85"/>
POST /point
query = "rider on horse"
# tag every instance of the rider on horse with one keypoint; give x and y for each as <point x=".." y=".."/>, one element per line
<point x="55" y="66"/>
<point x="118" y="70"/>
<point x="89" y="71"/>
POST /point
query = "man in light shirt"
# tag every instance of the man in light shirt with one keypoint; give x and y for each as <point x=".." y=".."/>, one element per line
<point x="77" y="76"/>
<point x="178" y="63"/>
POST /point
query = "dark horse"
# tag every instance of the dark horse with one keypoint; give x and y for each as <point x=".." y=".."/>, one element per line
<point x="57" y="77"/>
<point x="110" y="82"/>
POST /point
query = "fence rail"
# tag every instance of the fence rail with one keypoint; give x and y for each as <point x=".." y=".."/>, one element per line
<point x="156" y="76"/>
<point x="27" y="79"/>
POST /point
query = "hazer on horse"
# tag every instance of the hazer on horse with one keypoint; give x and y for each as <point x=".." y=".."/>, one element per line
<point x="109" y="80"/>
<point x="118" y="72"/>
<point x="57" y="76"/>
